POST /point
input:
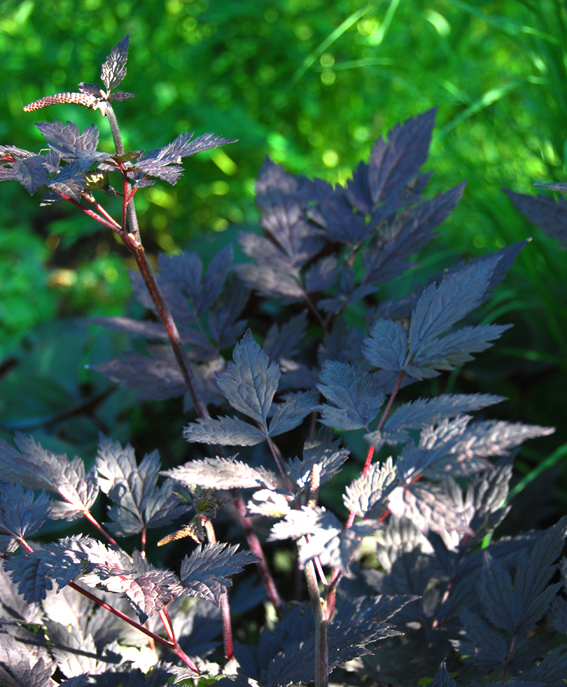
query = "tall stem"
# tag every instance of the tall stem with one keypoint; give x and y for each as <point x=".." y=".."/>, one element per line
<point x="133" y="243"/>
<point x="172" y="331"/>
<point x="321" y="627"/>
<point x="224" y="603"/>
<point x="256" y="548"/>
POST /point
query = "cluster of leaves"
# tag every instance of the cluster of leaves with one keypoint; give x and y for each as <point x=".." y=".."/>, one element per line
<point x="64" y="169"/>
<point x="440" y="597"/>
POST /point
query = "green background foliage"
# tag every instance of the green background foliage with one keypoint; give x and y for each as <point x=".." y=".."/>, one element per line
<point x="312" y="84"/>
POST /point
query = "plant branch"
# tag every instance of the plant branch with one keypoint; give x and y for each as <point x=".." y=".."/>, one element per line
<point x="278" y="460"/>
<point x="321" y="627"/>
<point x="224" y="603"/>
<point x="94" y="522"/>
<point x="91" y="213"/>
<point x="172" y="646"/>
<point x="133" y="243"/>
<point x="256" y="548"/>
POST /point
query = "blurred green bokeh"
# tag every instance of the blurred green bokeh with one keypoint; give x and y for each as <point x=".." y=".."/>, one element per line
<point x="308" y="82"/>
<point x="311" y="83"/>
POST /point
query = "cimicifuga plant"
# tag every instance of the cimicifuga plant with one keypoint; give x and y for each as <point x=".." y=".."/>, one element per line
<point x="277" y="357"/>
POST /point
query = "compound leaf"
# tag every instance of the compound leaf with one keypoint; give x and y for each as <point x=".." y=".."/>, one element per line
<point x="410" y="232"/>
<point x="486" y="645"/>
<point x="423" y="411"/>
<point x="224" y="431"/>
<point x="148" y="590"/>
<point x="250" y="381"/>
<point x="37" y="468"/>
<point x="353" y="403"/>
<point x="545" y="213"/>
<point x="368" y="494"/>
<point x="394" y="164"/>
<point x="205" y="574"/>
<point x="283" y="340"/>
<point x="58" y="562"/>
<point x="19" y="512"/>
<point x="516" y="606"/>
<point x="139" y="502"/>
<point x="291" y="413"/>
<point x="439" y="307"/>
<point x="341" y="223"/>
<point x="322" y="451"/>
<point x="551" y="671"/>
<point x="215" y="279"/>
<point x="31" y="173"/>
<point x="140" y="373"/>
<point x="70" y="181"/>
<point x="156" y="162"/>
<point x="457" y="448"/>
<point x="66" y="140"/>
<point x="24" y="671"/>
<point x="428" y="508"/>
<point x="453" y="350"/>
<point x="222" y="473"/>
<point x="114" y="68"/>
<point x="387" y="345"/>
<point x="325" y="536"/>
<point x="282" y="201"/>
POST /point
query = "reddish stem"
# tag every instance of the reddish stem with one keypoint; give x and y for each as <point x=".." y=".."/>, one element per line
<point x="279" y="462"/>
<point x="111" y="225"/>
<point x="166" y="620"/>
<point x="336" y="574"/>
<point x="172" y="646"/>
<point x="256" y="548"/>
<point x="226" y="627"/>
<point x="133" y="243"/>
<point x="143" y="542"/>
<point x="102" y="211"/>
<point x="92" y="520"/>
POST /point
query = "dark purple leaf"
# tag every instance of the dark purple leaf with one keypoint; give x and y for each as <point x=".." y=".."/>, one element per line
<point x="440" y="307"/>
<point x="114" y="68"/>
<point x="222" y="473"/>
<point x="37" y="468"/>
<point x="410" y="232"/>
<point x="250" y="381"/>
<point x="394" y="164"/>
<point x="546" y="213"/>
<point x="352" y="402"/>
<point x="428" y="508"/>
<point x="431" y="410"/>
<point x="122" y="95"/>
<point x="367" y="495"/>
<point x="30" y="172"/>
<point x="139" y="502"/>
<point x="282" y="341"/>
<point x="155" y="379"/>
<point x="281" y="201"/>
<point x="322" y="275"/>
<point x="387" y="345"/>
<point x="205" y="574"/>
<point x="19" y="512"/>
<point x="321" y="451"/>
<point x="340" y="221"/>
<point x="225" y="431"/>
<point x="290" y="414"/>
<point x="70" y="181"/>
